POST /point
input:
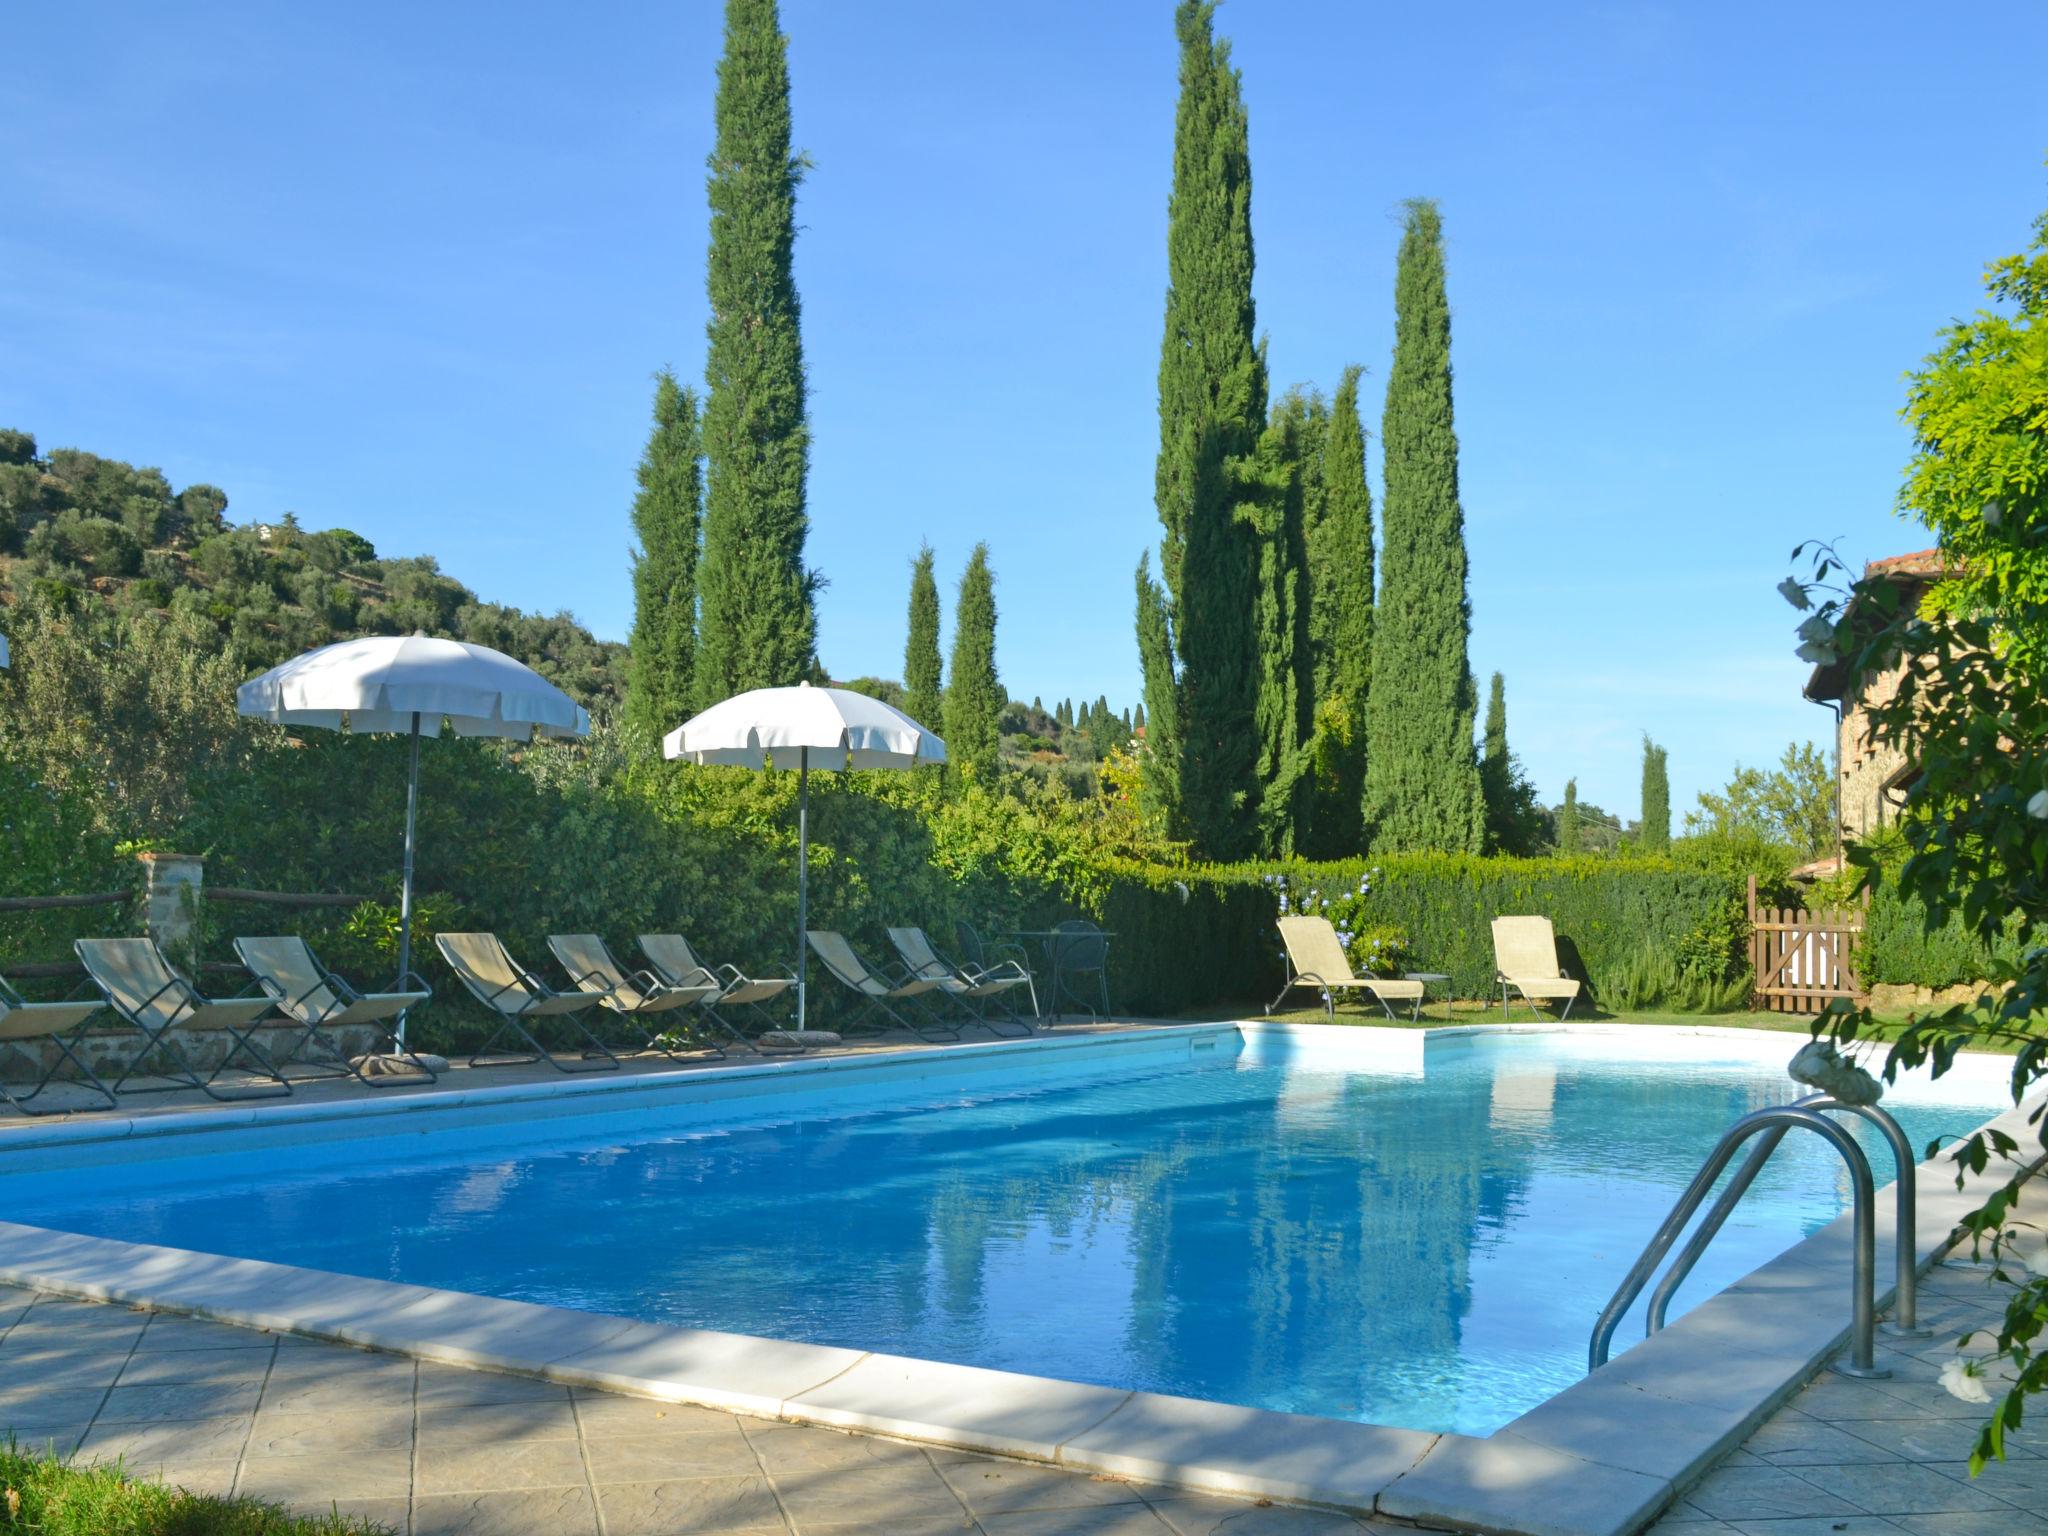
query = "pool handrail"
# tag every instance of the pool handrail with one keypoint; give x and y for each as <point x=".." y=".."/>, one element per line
<point x="1863" y="1324"/>
<point x="1905" y="1318"/>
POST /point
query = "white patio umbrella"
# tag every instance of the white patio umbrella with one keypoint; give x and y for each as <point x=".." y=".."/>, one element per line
<point x="804" y="728"/>
<point x="388" y="684"/>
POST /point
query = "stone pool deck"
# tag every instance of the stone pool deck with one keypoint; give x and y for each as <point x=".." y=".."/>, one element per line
<point x="431" y="1450"/>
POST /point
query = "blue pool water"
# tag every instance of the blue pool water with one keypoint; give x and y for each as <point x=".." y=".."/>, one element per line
<point x="1421" y="1241"/>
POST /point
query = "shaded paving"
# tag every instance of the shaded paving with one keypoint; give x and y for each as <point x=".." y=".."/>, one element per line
<point x="433" y="1450"/>
<point x="1880" y="1458"/>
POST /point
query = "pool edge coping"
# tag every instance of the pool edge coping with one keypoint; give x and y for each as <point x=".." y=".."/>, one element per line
<point x="1577" y="1458"/>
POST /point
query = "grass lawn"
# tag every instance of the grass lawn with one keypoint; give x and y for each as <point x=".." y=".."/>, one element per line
<point x="49" y="1498"/>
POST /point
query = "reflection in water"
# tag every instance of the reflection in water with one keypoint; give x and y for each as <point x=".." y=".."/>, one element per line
<point x="1425" y="1248"/>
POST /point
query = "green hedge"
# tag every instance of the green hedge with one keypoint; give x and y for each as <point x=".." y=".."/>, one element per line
<point x="1196" y="938"/>
<point x="1901" y="945"/>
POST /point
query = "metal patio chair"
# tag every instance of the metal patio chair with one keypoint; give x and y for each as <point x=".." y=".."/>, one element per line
<point x="141" y="987"/>
<point x="516" y="995"/>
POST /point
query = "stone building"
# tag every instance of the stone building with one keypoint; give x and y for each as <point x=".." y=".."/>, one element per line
<point x="1871" y="779"/>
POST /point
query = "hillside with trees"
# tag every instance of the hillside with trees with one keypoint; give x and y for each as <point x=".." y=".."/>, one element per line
<point x="77" y="528"/>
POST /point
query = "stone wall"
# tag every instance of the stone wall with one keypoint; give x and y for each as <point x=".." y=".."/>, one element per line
<point x="108" y="1049"/>
<point x="1867" y="769"/>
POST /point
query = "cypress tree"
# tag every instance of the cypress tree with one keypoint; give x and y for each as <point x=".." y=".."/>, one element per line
<point x="1196" y="629"/>
<point x="1656" y="833"/>
<point x="667" y="510"/>
<point x="758" y="627"/>
<point x="1568" y="819"/>
<point x="922" y="700"/>
<point x="1338" y="533"/>
<point x="974" y="694"/>
<point x="1422" y="783"/>
<point x="1159" y="764"/>
<point x="1288" y="476"/>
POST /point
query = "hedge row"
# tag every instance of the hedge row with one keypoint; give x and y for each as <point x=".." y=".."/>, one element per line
<point x="1189" y="939"/>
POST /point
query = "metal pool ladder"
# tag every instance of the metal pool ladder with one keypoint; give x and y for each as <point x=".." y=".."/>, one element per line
<point x="1770" y="1127"/>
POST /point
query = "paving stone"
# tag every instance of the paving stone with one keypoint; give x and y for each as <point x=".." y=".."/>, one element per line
<point x="297" y="1480"/>
<point x="492" y="1468"/>
<point x="850" y="1494"/>
<point x="189" y="1400"/>
<point x="329" y="1434"/>
<point x="183" y="1366"/>
<point x="1792" y="1439"/>
<point x="45" y="1439"/>
<point x="1898" y="1488"/>
<point x="2012" y="1522"/>
<point x="1820" y="1525"/>
<point x="447" y="1423"/>
<point x="82" y="1316"/>
<point x="50" y="1359"/>
<point x="699" y="1504"/>
<point x="603" y="1413"/>
<point x="534" y="1512"/>
<point x="997" y="1487"/>
<point x="1103" y="1520"/>
<point x="1763" y="1493"/>
<point x="215" y="1477"/>
<point x="1929" y="1439"/>
<point x="2024" y="1483"/>
<point x="1194" y="1514"/>
<point x="167" y="1330"/>
<point x="1685" y="1522"/>
<point x="33" y="1404"/>
<point x="930" y="1526"/>
<point x="799" y="1447"/>
<point x="453" y="1384"/>
<point x="670" y="1458"/>
<point x="196" y="1440"/>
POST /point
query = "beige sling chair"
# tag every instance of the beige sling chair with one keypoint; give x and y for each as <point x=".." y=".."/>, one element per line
<point x="516" y="995"/>
<point x="898" y="993"/>
<point x="967" y="986"/>
<point x="638" y="997"/>
<point x="317" y="1000"/>
<point x="1525" y="960"/>
<point x="675" y="964"/>
<point x="141" y="987"/>
<point x="1315" y="958"/>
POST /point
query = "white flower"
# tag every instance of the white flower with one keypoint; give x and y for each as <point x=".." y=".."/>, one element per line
<point x="1819" y="629"/>
<point x="1964" y="1378"/>
<point x="1819" y="1065"/>
<point x="1994" y="514"/>
<point x="2037" y="1262"/>
<point x="2037" y="805"/>
<point x="1815" y="652"/>
<point x="1793" y="593"/>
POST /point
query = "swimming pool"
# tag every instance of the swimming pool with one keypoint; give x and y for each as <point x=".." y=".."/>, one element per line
<point x="1371" y="1225"/>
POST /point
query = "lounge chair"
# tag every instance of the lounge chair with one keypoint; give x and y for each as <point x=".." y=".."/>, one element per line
<point x="894" y="993"/>
<point x="978" y="956"/>
<point x="1525" y="960"/>
<point x="966" y="985"/>
<point x="1079" y="948"/>
<point x="141" y="987"/>
<point x="23" y="1024"/>
<point x="516" y="995"/>
<point x="635" y="996"/>
<point x="317" y="1000"/>
<point x="675" y="964"/>
<point x="1316" y="958"/>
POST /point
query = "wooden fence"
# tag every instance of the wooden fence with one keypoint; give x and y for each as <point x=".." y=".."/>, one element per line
<point x="45" y="969"/>
<point x="1802" y="960"/>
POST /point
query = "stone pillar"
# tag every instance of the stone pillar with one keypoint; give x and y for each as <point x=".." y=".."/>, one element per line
<point x="170" y="905"/>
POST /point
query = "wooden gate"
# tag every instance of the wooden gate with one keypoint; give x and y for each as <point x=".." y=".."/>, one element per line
<point x="1802" y="960"/>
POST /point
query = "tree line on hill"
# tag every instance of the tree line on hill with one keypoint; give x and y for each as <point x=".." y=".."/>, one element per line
<point x="77" y="528"/>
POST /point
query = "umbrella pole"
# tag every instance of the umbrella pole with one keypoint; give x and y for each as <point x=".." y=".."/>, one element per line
<point x="412" y="803"/>
<point x="803" y="871"/>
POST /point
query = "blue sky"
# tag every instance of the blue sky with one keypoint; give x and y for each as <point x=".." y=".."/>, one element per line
<point x="407" y="269"/>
